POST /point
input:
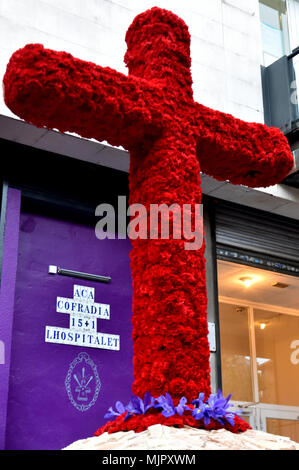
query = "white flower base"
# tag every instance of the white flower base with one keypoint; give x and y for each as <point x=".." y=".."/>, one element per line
<point x="160" y="437"/>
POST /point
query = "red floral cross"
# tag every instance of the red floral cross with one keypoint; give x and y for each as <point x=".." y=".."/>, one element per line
<point x="171" y="139"/>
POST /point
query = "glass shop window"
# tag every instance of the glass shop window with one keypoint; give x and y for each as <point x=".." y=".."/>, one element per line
<point x="275" y="31"/>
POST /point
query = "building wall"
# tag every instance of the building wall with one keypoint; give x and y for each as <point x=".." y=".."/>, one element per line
<point x="225" y="47"/>
<point x="293" y="17"/>
<point x="226" y="51"/>
<point x="293" y="20"/>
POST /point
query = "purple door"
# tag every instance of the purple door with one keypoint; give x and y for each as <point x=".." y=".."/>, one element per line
<point x="59" y="392"/>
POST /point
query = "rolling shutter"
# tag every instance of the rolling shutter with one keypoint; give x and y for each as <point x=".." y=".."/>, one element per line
<point x="257" y="231"/>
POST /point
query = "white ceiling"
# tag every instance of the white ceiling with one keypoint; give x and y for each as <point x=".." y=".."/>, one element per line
<point x="261" y="290"/>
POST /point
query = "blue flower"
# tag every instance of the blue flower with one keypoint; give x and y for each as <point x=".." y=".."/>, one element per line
<point x="220" y="408"/>
<point x="182" y="406"/>
<point x="136" y="406"/>
<point x="149" y="401"/>
<point x="219" y="405"/>
<point x="199" y="401"/>
<point x="166" y="404"/>
<point x="216" y="407"/>
<point x="199" y="412"/>
<point x="120" y="410"/>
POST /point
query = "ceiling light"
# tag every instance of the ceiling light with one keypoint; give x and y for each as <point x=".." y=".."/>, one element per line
<point x="263" y="324"/>
<point x="247" y="281"/>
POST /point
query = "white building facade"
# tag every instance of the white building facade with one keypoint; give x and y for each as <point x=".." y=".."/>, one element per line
<point x="252" y="234"/>
<point x="227" y="52"/>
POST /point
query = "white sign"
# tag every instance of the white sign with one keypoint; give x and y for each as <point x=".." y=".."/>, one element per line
<point x="65" y="305"/>
<point x="212" y="337"/>
<point x="83" y="313"/>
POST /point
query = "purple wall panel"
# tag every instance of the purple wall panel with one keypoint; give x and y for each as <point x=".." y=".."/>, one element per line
<point x="40" y="413"/>
<point x="7" y="296"/>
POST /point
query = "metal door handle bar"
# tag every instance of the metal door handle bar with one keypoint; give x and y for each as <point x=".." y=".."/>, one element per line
<point x="78" y="274"/>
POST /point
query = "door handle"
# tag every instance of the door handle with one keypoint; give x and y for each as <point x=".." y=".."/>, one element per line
<point x="71" y="273"/>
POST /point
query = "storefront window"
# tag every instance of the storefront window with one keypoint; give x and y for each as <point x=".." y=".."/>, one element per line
<point x="277" y="356"/>
<point x="259" y="334"/>
<point x="275" y="32"/>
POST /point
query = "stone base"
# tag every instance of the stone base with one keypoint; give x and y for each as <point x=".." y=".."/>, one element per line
<point x="160" y="437"/>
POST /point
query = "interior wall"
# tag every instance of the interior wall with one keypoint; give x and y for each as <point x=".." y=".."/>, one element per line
<point x="235" y="352"/>
<point x="278" y="375"/>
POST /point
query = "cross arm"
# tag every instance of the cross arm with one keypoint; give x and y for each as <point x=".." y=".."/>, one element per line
<point x="54" y="90"/>
<point x="244" y="153"/>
